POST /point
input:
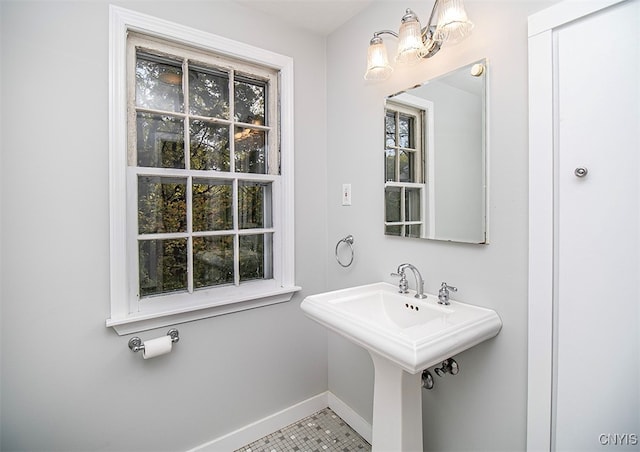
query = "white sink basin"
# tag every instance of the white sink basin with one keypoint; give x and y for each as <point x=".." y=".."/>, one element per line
<point x="404" y="335"/>
<point x="412" y="333"/>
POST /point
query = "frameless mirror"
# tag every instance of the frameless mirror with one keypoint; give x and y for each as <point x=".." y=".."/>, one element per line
<point x="435" y="158"/>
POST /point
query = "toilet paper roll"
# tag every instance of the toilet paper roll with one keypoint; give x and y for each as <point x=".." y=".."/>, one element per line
<point x="157" y="347"/>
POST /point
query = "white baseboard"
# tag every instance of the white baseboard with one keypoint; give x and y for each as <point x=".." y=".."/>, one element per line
<point x="281" y="419"/>
<point x="355" y="421"/>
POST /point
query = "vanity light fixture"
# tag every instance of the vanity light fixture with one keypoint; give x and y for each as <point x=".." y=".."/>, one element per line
<point x="415" y="42"/>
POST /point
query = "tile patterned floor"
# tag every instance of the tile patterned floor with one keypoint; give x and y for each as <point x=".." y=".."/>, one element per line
<point x="320" y="432"/>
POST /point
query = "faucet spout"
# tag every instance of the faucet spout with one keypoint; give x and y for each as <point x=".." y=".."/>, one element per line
<point x="416" y="274"/>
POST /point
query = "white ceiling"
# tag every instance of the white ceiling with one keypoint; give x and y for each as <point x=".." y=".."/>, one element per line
<point x="318" y="16"/>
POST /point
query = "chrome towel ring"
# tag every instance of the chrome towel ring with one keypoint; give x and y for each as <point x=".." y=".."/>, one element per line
<point x="349" y="241"/>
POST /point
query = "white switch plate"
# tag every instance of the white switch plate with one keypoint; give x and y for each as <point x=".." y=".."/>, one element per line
<point x="346" y="194"/>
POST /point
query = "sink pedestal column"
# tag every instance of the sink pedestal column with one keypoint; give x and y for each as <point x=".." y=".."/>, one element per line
<point x="397" y="408"/>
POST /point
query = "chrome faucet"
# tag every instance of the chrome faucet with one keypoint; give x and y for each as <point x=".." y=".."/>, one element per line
<point x="403" y="286"/>
<point x="443" y="293"/>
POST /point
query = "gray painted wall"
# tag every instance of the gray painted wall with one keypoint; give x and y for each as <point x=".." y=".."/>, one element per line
<point x="68" y="382"/>
<point x="484" y="407"/>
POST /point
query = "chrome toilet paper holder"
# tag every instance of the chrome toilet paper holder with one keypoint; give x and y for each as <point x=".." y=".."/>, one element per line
<point x="136" y="344"/>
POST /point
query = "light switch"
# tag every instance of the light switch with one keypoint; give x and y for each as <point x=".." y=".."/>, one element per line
<point x="346" y="194"/>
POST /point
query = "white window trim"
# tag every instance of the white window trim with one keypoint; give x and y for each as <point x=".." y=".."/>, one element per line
<point x="427" y="143"/>
<point x="122" y="320"/>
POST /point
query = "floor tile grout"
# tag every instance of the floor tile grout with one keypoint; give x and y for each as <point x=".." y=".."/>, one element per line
<point x="323" y="431"/>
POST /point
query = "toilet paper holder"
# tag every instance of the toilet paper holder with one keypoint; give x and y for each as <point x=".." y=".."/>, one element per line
<point x="136" y="344"/>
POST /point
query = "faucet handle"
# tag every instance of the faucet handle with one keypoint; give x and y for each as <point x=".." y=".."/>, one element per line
<point x="403" y="285"/>
<point x="447" y="287"/>
<point x="443" y="293"/>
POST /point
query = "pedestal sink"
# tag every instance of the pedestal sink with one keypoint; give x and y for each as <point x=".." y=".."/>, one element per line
<point x="404" y="335"/>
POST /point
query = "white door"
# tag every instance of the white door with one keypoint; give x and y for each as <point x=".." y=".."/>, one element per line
<point x="598" y="231"/>
<point x="595" y="288"/>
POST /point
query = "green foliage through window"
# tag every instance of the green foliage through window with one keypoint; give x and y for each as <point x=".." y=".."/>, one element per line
<point x="197" y="127"/>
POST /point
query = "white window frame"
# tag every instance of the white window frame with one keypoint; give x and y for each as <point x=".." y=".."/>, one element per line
<point x="425" y="144"/>
<point x="428" y="143"/>
<point x="127" y="315"/>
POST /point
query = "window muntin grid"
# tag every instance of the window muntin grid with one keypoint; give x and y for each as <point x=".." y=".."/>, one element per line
<point x="404" y="170"/>
<point x="203" y="150"/>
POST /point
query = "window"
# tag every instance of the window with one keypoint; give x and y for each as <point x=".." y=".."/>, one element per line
<point x="201" y="174"/>
<point x="404" y="170"/>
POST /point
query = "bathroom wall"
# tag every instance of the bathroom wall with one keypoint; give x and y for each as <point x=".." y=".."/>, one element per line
<point x="484" y="406"/>
<point x="68" y="382"/>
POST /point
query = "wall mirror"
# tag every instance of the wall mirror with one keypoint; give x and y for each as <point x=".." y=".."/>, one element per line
<point x="435" y="158"/>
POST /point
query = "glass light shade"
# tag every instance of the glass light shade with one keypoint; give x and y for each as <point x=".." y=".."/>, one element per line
<point x="378" y="67"/>
<point x="409" y="41"/>
<point x="453" y="23"/>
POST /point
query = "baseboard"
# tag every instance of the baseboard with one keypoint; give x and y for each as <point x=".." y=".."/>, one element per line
<point x="281" y="419"/>
<point x="355" y="421"/>
<point x="263" y="427"/>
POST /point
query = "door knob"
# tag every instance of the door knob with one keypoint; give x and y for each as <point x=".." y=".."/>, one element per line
<point x="581" y="171"/>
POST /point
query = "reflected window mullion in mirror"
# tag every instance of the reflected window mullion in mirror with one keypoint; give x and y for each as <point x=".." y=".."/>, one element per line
<point x="390" y="165"/>
<point x="397" y="138"/>
<point x="405" y="131"/>
<point x="390" y="146"/>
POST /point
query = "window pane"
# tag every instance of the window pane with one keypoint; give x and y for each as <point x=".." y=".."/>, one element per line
<point x="393" y="230"/>
<point x="413" y="230"/>
<point x="209" y="146"/>
<point x="250" y="150"/>
<point x="212" y="261"/>
<point x="162" y="205"/>
<point x="163" y="266"/>
<point x="392" y="204"/>
<point x="406" y="127"/>
<point x="250" y="101"/>
<point x="254" y="199"/>
<point x="212" y="205"/>
<point x="390" y="129"/>
<point x="160" y="141"/>
<point x="159" y="84"/>
<point x="412" y="204"/>
<point x="255" y="252"/>
<point x="208" y="93"/>
<point x="390" y="165"/>
<point x="407" y="165"/>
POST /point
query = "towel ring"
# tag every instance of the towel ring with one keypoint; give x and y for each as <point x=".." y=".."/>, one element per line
<point x="349" y="241"/>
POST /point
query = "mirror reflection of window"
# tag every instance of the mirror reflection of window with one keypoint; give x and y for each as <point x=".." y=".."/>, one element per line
<point x="404" y="175"/>
<point x="403" y="144"/>
<point x="435" y="158"/>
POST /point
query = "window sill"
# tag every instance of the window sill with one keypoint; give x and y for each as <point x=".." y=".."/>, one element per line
<point x="136" y="322"/>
